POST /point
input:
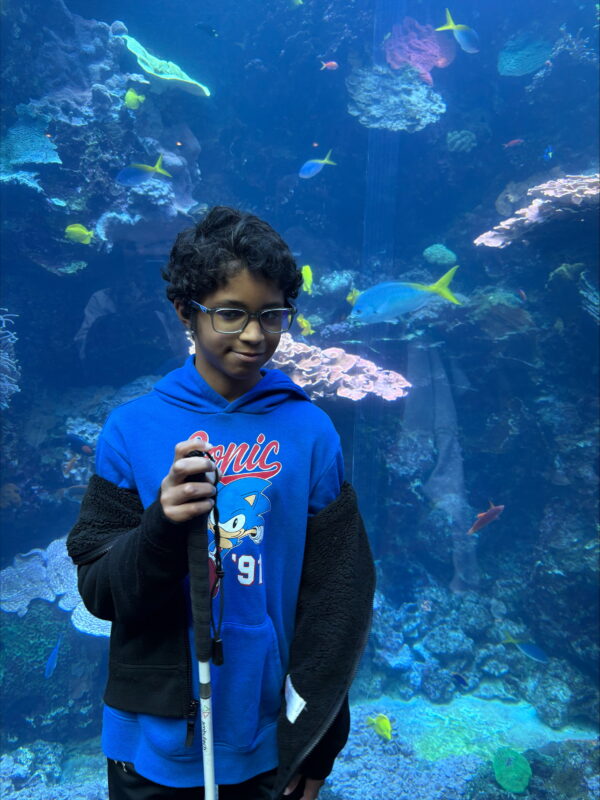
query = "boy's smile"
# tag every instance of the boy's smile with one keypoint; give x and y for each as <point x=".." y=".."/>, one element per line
<point x="230" y="362"/>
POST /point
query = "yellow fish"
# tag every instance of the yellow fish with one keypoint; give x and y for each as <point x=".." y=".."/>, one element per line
<point x="78" y="233"/>
<point x="305" y="326"/>
<point x="352" y="296"/>
<point x="381" y="725"/>
<point x="133" y="100"/>
<point x="307" y="278"/>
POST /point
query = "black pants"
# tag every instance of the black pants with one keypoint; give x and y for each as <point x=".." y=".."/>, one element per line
<point x="124" y="783"/>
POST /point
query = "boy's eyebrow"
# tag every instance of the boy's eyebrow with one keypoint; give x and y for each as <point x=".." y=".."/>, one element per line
<point x="227" y="303"/>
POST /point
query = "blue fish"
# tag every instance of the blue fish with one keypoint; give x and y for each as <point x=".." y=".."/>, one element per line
<point x="313" y="166"/>
<point x="52" y="659"/>
<point x="387" y="302"/>
<point x="548" y="153"/>
<point x="529" y="649"/>
<point x="135" y="174"/>
<point x="466" y="37"/>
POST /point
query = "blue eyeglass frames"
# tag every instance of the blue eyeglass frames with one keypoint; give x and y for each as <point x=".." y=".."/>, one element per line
<point x="234" y="320"/>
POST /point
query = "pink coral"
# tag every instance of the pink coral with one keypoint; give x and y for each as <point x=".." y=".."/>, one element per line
<point x="333" y="371"/>
<point x="550" y="200"/>
<point x="419" y="47"/>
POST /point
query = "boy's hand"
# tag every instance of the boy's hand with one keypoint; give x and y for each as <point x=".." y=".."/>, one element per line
<point x="182" y="501"/>
<point x="312" y="787"/>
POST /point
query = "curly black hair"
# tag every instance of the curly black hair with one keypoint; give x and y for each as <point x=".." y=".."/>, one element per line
<point x="224" y="242"/>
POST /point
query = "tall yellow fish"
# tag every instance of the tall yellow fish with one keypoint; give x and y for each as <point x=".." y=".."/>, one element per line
<point x="78" y="233"/>
<point x="381" y="725"/>
<point x="352" y="296"/>
<point x="307" y="278"/>
<point x="305" y="327"/>
<point x="133" y="100"/>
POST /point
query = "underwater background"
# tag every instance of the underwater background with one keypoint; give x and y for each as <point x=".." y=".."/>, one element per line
<point x="122" y="123"/>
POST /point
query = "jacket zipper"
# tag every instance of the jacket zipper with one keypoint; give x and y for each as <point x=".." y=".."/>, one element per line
<point x="331" y="716"/>
<point x="94" y="555"/>
<point x="193" y="704"/>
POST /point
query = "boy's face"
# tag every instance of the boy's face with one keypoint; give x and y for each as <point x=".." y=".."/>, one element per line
<point x="230" y="362"/>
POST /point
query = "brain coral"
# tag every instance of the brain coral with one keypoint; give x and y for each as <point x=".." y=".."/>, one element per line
<point x="460" y="141"/>
<point x="396" y="101"/>
<point x="522" y="54"/>
<point x="439" y="254"/>
<point x="27" y="143"/>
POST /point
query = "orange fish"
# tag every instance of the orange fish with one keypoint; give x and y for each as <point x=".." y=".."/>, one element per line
<point x="70" y="465"/>
<point x="486" y="517"/>
<point x="329" y="65"/>
<point x="513" y="143"/>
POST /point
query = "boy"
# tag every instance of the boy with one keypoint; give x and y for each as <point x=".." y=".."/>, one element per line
<point x="298" y="574"/>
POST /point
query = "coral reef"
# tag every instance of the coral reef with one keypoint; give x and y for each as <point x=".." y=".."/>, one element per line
<point x="62" y="703"/>
<point x="590" y="298"/>
<point x="165" y="73"/>
<point x="47" y="575"/>
<point x="511" y="769"/>
<point x="439" y="254"/>
<point x="27" y="142"/>
<point x="446" y="645"/>
<point x="523" y="54"/>
<point x="77" y="132"/>
<point x="395" y="101"/>
<point x="561" y="770"/>
<point x="330" y="372"/>
<point x="434" y="753"/>
<point x="9" y="366"/>
<point x="575" y="47"/>
<point x="514" y="193"/>
<point x="41" y="770"/>
<point x="418" y="46"/>
<point x="552" y="200"/>
<point x="371" y="767"/>
<point x="460" y="141"/>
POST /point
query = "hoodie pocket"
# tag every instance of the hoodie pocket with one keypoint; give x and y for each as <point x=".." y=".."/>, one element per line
<point x="247" y="687"/>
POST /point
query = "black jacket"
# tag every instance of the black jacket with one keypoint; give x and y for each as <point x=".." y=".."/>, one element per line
<point x="131" y="563"/>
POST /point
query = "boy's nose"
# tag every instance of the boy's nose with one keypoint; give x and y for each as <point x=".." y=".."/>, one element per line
<point x="252" y="331"/>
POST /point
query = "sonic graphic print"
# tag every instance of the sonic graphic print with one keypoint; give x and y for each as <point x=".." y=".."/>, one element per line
<point x="242" y="501"/>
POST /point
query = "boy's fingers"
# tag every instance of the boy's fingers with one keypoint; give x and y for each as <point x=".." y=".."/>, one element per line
<point x="183" y="468"/>
<point x="187" y="511"/>
<point x="182" y="449"/>
<point x="292" y="785"/>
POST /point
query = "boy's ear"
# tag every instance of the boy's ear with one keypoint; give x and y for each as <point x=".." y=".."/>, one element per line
<point x="182" y="310"/>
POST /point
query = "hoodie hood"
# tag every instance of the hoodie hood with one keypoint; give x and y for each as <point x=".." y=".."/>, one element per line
<point x="186" y="388"/>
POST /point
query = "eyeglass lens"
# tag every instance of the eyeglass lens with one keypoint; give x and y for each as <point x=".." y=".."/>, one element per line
<point x="233" y="320"/>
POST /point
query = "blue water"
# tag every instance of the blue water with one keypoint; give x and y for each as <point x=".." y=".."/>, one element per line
<point x="503" y="402"/>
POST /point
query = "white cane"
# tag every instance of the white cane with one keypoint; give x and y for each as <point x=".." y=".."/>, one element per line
<point x="211" y="790"/>
<point x="201" y="595"/>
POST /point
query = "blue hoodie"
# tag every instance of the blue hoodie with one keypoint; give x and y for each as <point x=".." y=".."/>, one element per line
<point x="280" y="462"/>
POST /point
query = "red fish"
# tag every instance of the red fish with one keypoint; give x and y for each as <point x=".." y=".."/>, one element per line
<point x="513" y="143"/>
<point x="329" y="65"/>
<point x="486" y="517"/>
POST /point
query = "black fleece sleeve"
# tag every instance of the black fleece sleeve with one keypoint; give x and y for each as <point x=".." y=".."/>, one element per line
<point x="319" y="762"/>
<point x="139" y="557"/>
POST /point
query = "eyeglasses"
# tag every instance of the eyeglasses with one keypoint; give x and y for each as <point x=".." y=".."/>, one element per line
<point x="234" y="320"/>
